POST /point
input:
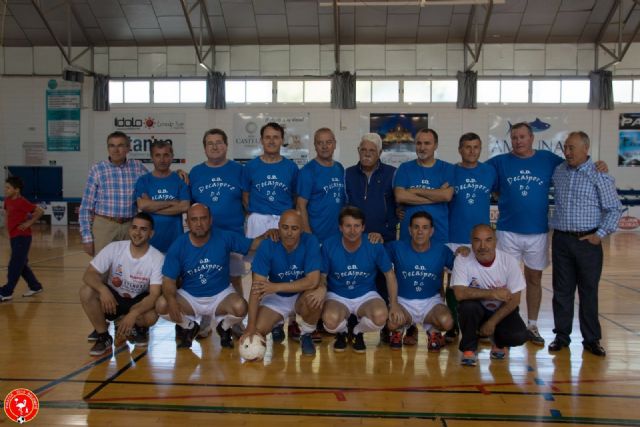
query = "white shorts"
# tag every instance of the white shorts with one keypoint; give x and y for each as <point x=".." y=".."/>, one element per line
<point x="206" y="306"/>
<point x="531" y="249"/>
<point x="284" y="306"/>
<point x="258" y="224"/>
<point x="420" y="308"/>
<point x="353" y="305"/>
<point x="236" y="265"/>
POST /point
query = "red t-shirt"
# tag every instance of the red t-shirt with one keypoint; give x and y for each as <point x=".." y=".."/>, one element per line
<point x="18" y="211"/>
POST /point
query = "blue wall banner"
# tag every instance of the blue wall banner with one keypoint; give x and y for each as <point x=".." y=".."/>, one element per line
<point x="629" y="136"/>
<point x="63" y="102"/>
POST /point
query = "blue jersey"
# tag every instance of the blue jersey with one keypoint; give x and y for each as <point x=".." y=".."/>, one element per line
<point x="524" y="185"/>
<point x="323" y="188"/>
<point x="220" y="189"/>
<point x="271" y="186"/>
<point x="411" y="175"/>
<point x="419" y="274"/>
<point x="204" y="270"/>
<point x="471" y="203"/>
<point x="352" y="274"/>
<point x="274" y="262"/>
<point x="167" y="227"/>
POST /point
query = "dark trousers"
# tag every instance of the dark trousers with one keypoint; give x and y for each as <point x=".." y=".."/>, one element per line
<point x="18" y="265"/>
<point x="576" y="263"/>
<point x="510" y="332"/>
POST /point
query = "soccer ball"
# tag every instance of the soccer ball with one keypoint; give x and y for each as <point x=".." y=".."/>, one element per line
<point x="253" y="348"/>
<point x="21" y="420"/>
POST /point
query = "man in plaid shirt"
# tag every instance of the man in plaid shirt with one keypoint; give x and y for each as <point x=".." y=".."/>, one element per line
<point x="587" y="209"/>
<point x="108" y="202"/>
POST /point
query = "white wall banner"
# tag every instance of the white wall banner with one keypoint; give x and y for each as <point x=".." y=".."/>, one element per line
<point x="144" y="129"/>
<point x="297" y="135"/>
<point x="549" y="133"/>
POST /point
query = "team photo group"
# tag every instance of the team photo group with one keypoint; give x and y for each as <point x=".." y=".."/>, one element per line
<point x="344" y="254"/>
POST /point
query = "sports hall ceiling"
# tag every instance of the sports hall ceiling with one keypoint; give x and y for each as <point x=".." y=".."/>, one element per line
<point x="264" y="22"/>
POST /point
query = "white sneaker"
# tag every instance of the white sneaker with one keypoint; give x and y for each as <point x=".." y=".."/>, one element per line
<point x="7" y="298"/>
<point x="31" y="292"/>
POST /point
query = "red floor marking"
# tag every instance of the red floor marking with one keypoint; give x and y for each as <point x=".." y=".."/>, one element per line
<point x="340" y="396"/>
<point x="482" y="389"/>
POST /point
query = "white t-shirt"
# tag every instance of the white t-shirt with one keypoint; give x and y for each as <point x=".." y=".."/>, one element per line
<point x="503" y="273"/>
<point x="129" y="276"/>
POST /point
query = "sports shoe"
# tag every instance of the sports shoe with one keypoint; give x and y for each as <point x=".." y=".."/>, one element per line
<point x="316" y="336"/>
<point x="341" y="342"/>
<point x="205" y="327"/>
<point x="395" y="340"/>
<point x="358" y="343"/>
<point x="278" y="333"/>
<point x="102" y="345"/>
<point x="293" y="331"/>
<point x="352" y="321"/>
<point x="141" y="338"/>
<point x="451" y="335"/>
<point x="307" y="346"/>
<point x="32" y="292"/>
<point x="187" y="336"/>
<point x="226" y="339"/>
<point x="435" y="341"/>
<point x="5" y="298"/>
<point x="237" y="330"/>
<point x="411" y="336"/>
<point x="533" y="335"/>
<point x="498" y="353"/>
<point x="178" y="329"/>
<point x="469" y="358"/>
<point x="93" y="336"/>
<point x="385" y="335"/>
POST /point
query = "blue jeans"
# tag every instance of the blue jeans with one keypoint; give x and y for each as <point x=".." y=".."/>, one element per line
<point x="18" y="266"/>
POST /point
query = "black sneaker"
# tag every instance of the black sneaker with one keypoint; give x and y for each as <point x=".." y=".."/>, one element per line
<point x="385" y="335"/>
<point x="226" y="338"/>
<point x="277" y="333"/>
<point x="358" y="343"/>
<point x="341" y="342"/>
<point x="141" y="336"/>
<point x="352" y="321"/>
<point x="93" y="336"/>
<point x="451" y="335"/>
<point x="187" y="336"/>
<point x="102" y="345"/>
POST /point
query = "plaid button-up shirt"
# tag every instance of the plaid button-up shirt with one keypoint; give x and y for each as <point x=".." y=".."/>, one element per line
<point x="585" y="199"/>
<point x="109" y="192"/>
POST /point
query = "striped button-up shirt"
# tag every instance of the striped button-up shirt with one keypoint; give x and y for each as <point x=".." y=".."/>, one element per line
<point x="109" y="192"/>
<point x="585" y="199"/>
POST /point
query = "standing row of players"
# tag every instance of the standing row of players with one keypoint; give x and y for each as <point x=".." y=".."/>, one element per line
<point x="457" y="197"/>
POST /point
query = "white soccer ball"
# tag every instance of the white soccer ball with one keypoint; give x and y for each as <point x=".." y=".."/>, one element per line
<point x="21" y="420"/>
<point x="253" y="348"/>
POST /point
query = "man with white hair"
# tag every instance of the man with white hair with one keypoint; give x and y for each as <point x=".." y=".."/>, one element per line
<point x="369" y="187"/>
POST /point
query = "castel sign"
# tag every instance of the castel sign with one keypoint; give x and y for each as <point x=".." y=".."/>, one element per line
<point x="144" y="129"/>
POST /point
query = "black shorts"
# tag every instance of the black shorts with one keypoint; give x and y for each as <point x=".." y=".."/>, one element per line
<point x="123" y="304"/>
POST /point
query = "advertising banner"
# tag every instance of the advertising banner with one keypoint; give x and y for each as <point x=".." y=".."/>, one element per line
<point x="63" y="102"/>
<point x="398" y="133"/>
<point x="629" y="139"/>
<point x="144" y="129"/>
<point x="549" y="133"/>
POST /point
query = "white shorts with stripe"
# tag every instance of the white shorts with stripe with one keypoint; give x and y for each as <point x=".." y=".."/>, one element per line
<point x="353" y="305"/>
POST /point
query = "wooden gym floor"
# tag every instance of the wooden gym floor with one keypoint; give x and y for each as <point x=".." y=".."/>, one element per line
<point x="43" y="347"/>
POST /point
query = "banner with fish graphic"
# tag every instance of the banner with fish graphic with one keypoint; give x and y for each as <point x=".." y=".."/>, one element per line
<point x="629" y="139"/>
<point x="549" y="132"/>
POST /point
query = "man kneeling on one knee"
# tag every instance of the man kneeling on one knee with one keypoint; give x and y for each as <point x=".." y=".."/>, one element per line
<point x="488" y="286"/>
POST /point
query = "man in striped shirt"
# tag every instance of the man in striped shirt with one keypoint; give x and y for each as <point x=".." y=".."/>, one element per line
<point x="587" y="209"/>
<point x="108" y="202"/>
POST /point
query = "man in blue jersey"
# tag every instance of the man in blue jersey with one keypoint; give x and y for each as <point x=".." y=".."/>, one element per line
<point x="268" y="183"/>
<point x="419" y="266"/>
<point x="471" y="204"/>
<point x="321" y="188"/>
<point x="349" y="266"/>
<point x="424" y="184"/>
<point x="201" y="259"/>
<point x="369" y="187"/>
<point x="217" y="183"/>
<point x="524" y="180"/>
<point x="162" y="194"/>
<point x="285" y="275"/>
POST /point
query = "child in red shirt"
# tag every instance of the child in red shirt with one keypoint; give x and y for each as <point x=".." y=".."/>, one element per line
<point x="20" y="216"/>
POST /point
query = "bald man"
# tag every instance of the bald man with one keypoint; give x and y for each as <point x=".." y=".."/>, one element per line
<point x="201" y="259"/>
<point x="488" y="287"/>
<point x="285" y="282"/>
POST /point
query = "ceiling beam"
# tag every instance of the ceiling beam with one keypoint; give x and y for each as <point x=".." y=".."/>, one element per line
<point x="476" y="35"/>
<point x="336" y="35"/>
<point x="201" y="41"/>
<point x="621" y="46"/>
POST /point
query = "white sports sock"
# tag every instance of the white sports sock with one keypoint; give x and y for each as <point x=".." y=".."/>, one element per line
<point x="187" y="321"/>
<point x="366" y="325"/>
<point x="532" y="323"/>
<point x="306" y="328"/>
<point x="342" y="327"/>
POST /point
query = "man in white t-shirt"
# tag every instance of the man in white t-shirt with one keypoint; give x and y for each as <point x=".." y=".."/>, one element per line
<point x="132" y="286"/>
<point x="488" y="287"/>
